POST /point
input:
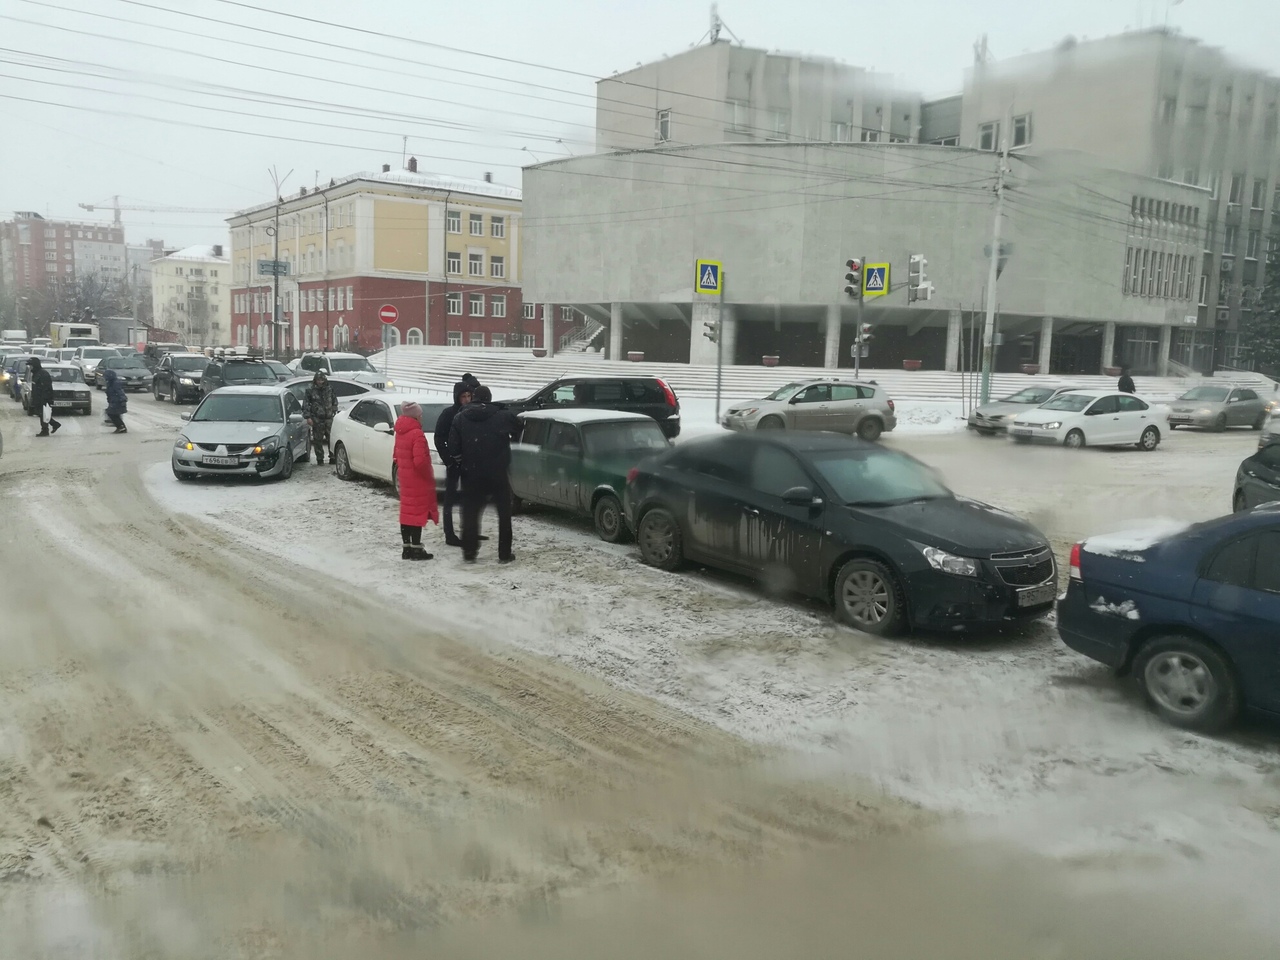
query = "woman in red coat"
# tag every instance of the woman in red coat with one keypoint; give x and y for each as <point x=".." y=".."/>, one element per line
<point x="417" y="482"/>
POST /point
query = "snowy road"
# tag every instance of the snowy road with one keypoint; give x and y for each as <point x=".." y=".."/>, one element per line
<point x="355" y="706"/>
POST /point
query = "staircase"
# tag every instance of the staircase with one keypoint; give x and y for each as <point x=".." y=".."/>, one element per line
<point x="580" y="339"/>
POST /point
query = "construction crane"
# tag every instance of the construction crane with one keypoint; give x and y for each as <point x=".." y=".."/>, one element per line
<point x="117" y="208"/>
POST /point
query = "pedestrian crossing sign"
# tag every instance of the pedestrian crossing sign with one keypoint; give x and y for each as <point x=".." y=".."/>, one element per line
<point x="708" y="276"/>
<point x="875" y="279"/>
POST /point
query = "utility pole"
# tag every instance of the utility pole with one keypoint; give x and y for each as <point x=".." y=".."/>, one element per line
<point x="993" y="269"/>
<point x="720" y="341"/>
<point x="277" y="182"/>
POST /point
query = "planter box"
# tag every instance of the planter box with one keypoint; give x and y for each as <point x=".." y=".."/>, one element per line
<point x="635" y="356"/>
<point x="1031" y="369"/>
<point x="912" y="364"/>
<point x="770" y="361"/>
<point x="539" y="352"/>
<point x="1111" y="371"/>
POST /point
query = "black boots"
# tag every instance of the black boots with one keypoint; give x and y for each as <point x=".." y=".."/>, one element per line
<point x="415" y="551"/>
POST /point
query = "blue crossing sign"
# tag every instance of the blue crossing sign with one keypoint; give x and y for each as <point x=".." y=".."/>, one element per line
<point x="708" y="276"/>
<point x="875" y="280"/>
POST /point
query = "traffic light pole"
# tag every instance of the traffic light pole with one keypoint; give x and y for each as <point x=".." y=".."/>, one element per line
<point x="720" y="341"/>
<point x="857" y="345"/>
<point x="993" y="271"/>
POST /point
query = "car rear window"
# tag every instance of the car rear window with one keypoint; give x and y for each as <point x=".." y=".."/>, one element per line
<point x="645" y="391"/>
<point x="246" y="372"/>
<point x="637" y="436"/>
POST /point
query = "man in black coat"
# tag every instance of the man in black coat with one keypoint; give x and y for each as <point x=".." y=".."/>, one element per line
<point x="444" y="423"/>
<point x="480" y="443"/>
<point x="1125" y="383"/>
<point x="41" y="399"/>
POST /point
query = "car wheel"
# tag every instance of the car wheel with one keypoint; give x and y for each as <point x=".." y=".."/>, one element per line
<point x="1150" y="439"/>
<point x="771" y="423"/>
<point x="519" y="505"/>
<point x="610" y="526"/>
<point x="1189" y="682"/>
<point x="868" y="597"/>
<point x="1238" y="504"/>
<point x="1261" y="421"/>
<point x="660" y="540"/>
<point x="173" y="394"/>
<point x="870" y="429"/>
<point x="1220" y="424"/>
<point x="342" y="463"/>
<point x="983" y="432"/>
<point x="155" y="392"/>
<point x="1074" y="440"/>
<point x="286" y="471"/>
<point x="184" y="477"/>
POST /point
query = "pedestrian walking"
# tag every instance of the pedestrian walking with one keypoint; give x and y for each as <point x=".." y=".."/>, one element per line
<point x="117" y="401"/>
<point x="417" y="480"/>
<point x="480" y="443"/>
<point x="42" y="397"/>
<point x="1125" y="384"/>
<point x="444" y="423"/>
<point x="320" y="406"/>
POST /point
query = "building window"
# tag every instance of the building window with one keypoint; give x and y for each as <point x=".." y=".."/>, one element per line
<point x="1204" y="289"/>
<point x="351" y="300"/>
<point x="1259" y="191"/>
<point x="498" y="227"/>
<point x="530" y="340"/>
<point x="454" y="338"/>
<point x="1163" y="172"/>
<point x="477" y="340"/>
<point x="989" y="136"/>
<point x="498" y="267"/>
<point x="415" y="337"/>
<point x="1237" y="188"/>
<point x="664" y="126"/>
<point x="333" y="298"/>
<point x="1128" y="266"/>
<point x="455" y="221"/>
<point x="840" y="131"/>
<point x="778" y="124"/>
<point x="739" y="116"/>
<point x="475" y="304"/>
<point x="947" y="142"/>
<point x="498" y="339"/>
<point x="870" y="136"/>
<point x="896" y="138"/>
<point x="453" y="263"/>
<point x="475" y="264"/>
<point x="1230" y="239"/>
<point x="1254" y="244"/>
<point x="1168" y="109"/>
<point x="530" y="311"/>
<point x="566" y="313"/>
<point x="453" y="304"/>
<point x="498" y="305"/>
<point x="477" y="224"/>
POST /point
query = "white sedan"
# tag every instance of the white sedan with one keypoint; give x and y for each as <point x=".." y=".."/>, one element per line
<point x="363" y="435"/>
<point x="1090" y="418"/>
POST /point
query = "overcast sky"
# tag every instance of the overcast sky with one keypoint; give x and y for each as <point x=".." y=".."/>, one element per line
<point x="165" y="108"/>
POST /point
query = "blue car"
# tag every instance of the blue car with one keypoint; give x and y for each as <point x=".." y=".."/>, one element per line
<point x="15" y="367"/>
<point x="1193" y="614"/>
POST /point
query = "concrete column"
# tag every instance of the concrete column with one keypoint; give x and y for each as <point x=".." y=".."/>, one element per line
<point x="1162" y="358"/>
<point x="831" y="350"/>
<point x="954" y="328"/>
<point x="701" y="349"/>
<point x="615" y="332"/>
<point x="729" y="331"/>
<point x="1046" y="344"/>
<point x="549" y="329"/>
<point x="1108" y="344"/>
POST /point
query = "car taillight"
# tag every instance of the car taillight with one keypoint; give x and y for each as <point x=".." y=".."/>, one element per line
<point x="890" y="402"/>
<point x="632" y="474"/>
<point x="1074" y="563"/>
<point x="670" y="394"/>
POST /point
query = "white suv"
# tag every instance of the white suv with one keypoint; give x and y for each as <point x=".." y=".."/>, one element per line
<point x="352" y="366"/>
<point x="87" y="358"/>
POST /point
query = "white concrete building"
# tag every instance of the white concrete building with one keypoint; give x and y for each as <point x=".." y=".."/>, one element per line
<point x="191" y="294"/>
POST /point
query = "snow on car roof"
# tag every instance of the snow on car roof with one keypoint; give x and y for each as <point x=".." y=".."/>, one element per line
<point x="583" y="415"/>
<point x="266" y="388"/>
<point x="335" y="353"/>
<point x="1130" y="544"/>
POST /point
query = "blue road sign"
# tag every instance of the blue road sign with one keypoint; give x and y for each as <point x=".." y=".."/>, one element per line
<point x="875" y="280"/>
<point x="708" y="276"/>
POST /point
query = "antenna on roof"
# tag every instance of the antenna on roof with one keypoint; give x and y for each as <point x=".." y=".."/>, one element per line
<point x="717" y="25"/>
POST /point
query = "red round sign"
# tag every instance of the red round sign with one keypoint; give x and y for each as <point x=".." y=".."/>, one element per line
<point x="388" y="313"/>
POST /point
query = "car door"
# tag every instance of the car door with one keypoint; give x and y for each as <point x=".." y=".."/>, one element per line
<point x="1102" y="421"/>
<point x="1245" y="408"/>
<point x="360" y="418"/>
<point x="605" y="395"/>
<point x="781" y="541"/>
<point x="526" y="459"/>
<point x="560" y="471"/>
<point x="164" y="377"/>
<point x="716" y="480"/>
<point x="297" y="431"/>
<point x="1236" y="602"/>
<point x="808" y="408"/>
<point x="379" y="446"/>
<point x="1262" y="477"/>
<point x="1135" y="416"/>
<point x="846" y="408"/>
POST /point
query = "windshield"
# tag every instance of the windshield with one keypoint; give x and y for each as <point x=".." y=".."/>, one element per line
<point x="783" y="392"/>
<point x="69" y="374"/>
<point x="877" y="477"/>
<point x="244" y="409"/>
<point x="66" y="354"/>
<point x="1035" y="395"/>
<point x="247" y="372"/>
<point x="351" y="365"/>
<point x="99" y="353"/>
<point x="607" y="439"/>
<point x="1070" y="402"/>
<point x="1210" y="394"/>
<point x="189" y="363"/>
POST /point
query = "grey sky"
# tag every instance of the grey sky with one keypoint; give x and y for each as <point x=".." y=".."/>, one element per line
<point x="114" y="132"/>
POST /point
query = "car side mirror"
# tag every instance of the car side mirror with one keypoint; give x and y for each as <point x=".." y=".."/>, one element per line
<point x="186" y="416"/>
<point x="801" y="497"/>
<point x="795" y="399"/>
<point x="296" y="418"/>
<point x="382" y="427"/>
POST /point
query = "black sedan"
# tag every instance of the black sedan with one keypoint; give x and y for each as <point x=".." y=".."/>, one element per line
<point x="1258" y="479"/>
<point x="132" y="371"/>
<point x="871" y="530"/>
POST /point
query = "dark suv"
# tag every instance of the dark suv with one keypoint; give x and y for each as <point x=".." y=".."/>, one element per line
<point x="177" y="377"/>
<point x="235" y="371"/>
<point x="648" y="395"/>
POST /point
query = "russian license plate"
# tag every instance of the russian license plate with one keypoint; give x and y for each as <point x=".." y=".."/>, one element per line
<point x="1020" y="431"/>
<point x="220" y="461"/>
<point x="1034" y="596"/>
<point x="62" y="404"/>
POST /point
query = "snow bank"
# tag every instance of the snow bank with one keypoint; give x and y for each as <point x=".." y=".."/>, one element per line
<point x="1130" y="544"/>
<point x="1128" y="609"/>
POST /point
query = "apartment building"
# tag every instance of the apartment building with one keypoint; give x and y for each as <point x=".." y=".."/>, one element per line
<point x="191" y="294"/>
<point x="37" y="253"/>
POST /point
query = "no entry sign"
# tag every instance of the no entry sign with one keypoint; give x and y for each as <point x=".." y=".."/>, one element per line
<point x="388" y="313"/>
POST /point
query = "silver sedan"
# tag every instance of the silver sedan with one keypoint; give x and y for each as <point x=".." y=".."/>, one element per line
<point x="242" y="432"/>
<point x="994" y="417"/>
<point x="1218" y="407"/>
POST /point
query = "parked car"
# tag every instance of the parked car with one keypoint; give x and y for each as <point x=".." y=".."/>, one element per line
<point x="867" y="528"/>
<point x="363" y="436"/>
<point x="66" y="354"/>
<point x="647" y="395"/>
<point x="577" y="460"/>
<point x="1258" y="479"/>
<point x="244" y="431"/>
<point x="842" y="406"/>
<point x="154" y="352"/>
<point x="133" y="373"/>
<point x="15" y="369"/>
<point x="235" y="370"/>
<point x="1217" y="408"/>
<point x="70" y="392"/>
<point x="178" y="377"/>
<point x="1089" y="418"/>
<point x="86" y="359"/>
<point x="347" y="391"/>
<point x="994" y="417"/>
<point x="349" y="365"/>
<point x="1193" y="614"/>
<point x="281" y="371"/>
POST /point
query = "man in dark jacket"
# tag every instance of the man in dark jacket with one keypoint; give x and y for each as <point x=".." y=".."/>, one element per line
<point x="41" y="399"/>
<point x="117" y="401"/>
<point x="320" y="406"/>
<point x="480" y="443"/>
<point x="1125" y="385"/>
<point x="444" y="423"/>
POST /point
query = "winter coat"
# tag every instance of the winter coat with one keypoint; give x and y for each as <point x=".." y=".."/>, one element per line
<point x="319" y="403"/>
<point x="444" y="423"/>
<point x="41" y="387"/>
<point x="1126" y="385"/>
<point x="117" y="400"/>
<point x="417" y="478"/>
<point x="480" y="442"/>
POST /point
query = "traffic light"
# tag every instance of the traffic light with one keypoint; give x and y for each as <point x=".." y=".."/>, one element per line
<point x="918" y="285"/>
<point x="853" y="279"/>
<point x="712" y="331"/>
<point x="864" y="333"/>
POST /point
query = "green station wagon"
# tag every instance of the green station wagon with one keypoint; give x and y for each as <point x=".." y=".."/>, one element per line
<point x="578" y="460"/>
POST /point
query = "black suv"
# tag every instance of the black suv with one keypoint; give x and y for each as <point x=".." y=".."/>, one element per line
<point x="235" y="371"/>
<point x="177" y="377"/>
<point x="647" y="395"/>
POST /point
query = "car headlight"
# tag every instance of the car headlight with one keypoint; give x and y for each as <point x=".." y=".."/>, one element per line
<point x="748" y="411"/>
<point x="183" y="443"/>
<point x="1205" y="412"/>
<point x="949" y="563"/>
<point x="186" y="381"/>
<point x="267" y="446"/>
<point x="390" y="384"/>
<point x="1054" y="425"/>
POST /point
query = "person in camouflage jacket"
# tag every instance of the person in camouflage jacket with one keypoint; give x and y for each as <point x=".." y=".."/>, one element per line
<point x="320" y="406"/>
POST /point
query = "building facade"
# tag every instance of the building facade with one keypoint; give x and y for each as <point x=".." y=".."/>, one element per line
<point x="191" y="295"/>
<point x="38" y="254"/>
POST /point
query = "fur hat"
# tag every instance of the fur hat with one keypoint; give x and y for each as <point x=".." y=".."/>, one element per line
<point x="411" y="409"/>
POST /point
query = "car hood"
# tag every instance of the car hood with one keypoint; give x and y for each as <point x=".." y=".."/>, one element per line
<point x="965" y="527"/>
<point x="1002" y="408"/>
<point x="363" y="376"/>
<point x="133" y="373"/>
<point x="1191" y="406"/>
<point x="224" y="431"/>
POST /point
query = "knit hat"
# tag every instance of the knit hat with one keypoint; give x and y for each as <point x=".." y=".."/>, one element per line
<point x="411" y="409"/>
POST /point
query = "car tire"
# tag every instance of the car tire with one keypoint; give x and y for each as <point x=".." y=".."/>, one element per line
<point x="342" y="462"/>
<point x="519" y="505"/>
<point x="611" y="526"/>
<point x="870" y="429"/>
<point x="184" y="477"/>
<point x="1238" y="503"/>
<point x="155" y="392"/>
<point x="983" y="432"/>
<point x="660" y="540"/>
<point x="1150" y="439"/>
<point x="772" y="423"/>
<point x="173" y="394"/>
<point x="1220" y="425"/>
<point x="1261" y="421"/>
<point x="286" y="471"/>
<point x="1190" y="683"/>
<point x="868" y="597"/>
<point x="1074" y="440"/>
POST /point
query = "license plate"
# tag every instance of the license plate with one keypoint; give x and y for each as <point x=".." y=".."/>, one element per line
<point x="1019" y="432"/>
<point x="1034" y="596"/>
<point x="62" y="404"/>
<point x="220" y="461"/>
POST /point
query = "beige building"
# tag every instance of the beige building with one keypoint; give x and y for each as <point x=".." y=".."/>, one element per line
<point x="191" y="294"/>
